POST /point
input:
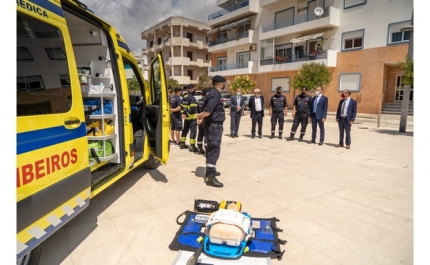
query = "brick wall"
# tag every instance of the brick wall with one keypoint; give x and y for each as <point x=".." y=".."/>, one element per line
<point x="370" y="62"/>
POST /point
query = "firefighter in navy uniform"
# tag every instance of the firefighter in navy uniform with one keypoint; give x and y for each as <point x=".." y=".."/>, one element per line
<point x="277" y="110"/>
<point x="201" y="130"/>
<point x="301" y="110"/>
<point x="189" y="113"/>
<point x="213" y="117"/>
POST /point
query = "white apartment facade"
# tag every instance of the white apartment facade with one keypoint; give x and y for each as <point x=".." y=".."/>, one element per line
<point x="142" y="62"/>
<point x="183" y="43"/>
<point x="269" y="40"/>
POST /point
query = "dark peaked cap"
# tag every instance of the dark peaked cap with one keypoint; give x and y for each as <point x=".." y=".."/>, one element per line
<point x="178" y="89"/>
<point x="218" y="78"/>
<point x="190" y="86"/>
<point x="205" y="90"/>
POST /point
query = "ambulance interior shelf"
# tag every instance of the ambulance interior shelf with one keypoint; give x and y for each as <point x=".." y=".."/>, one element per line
<point x="101" y="131"/>
<point x="102" y="136"/>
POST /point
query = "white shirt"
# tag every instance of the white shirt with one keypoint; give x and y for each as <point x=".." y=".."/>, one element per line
<point x="238" y="100"/>
<point x="344" y="108"/>
<point x="258" y="104"/>
<point x="316" y="102"/>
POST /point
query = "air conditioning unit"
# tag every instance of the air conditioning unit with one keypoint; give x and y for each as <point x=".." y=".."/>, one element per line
<point x="253" y="47"/>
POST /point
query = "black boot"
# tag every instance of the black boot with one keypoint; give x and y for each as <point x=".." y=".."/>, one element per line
<point x="301" y="137"/>
<point x="272" y="136"/>
<point x="291" y="137"/>
<point x="201" y="150"/>
<point x="280" y="135"/>
<point x="217" y="174"/>
<point x="193" y="148"/>
<point x="183" y="145"/>
<point x="212" y="181"/>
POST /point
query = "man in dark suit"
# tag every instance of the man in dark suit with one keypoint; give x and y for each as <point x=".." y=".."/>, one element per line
<point x="345" y="117"/>
<point x="237" y="103"/>
<point x="319" y="105"/>
<point x="256" y="106"/>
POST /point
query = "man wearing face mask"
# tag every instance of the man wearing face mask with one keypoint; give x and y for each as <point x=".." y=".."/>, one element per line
<point x="278" y="108"/>
<point x="345" y="116"/>
<point x="237" y="103"/>
<point x="319" y="105"/>
<point x="189" y="114"/>
<point x="256" y="106"/>
<point x="300" y="114"/>
<point x="213" y="116"/>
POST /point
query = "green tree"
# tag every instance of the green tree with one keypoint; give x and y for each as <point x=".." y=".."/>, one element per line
<point x="172" y="83"/>
<point x="407" y="68"/>
<point x="243" y="82"/>
<point x="312" y="75"/>
<point x="203" y="81"/>
<point x="133" y="86"/>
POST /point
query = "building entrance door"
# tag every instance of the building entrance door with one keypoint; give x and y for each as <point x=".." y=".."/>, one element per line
<point x="398" y="92"/>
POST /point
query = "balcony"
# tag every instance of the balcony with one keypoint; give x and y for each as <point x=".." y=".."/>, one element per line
<point x="268" y="3"/>
<point x="182" y="80"/>
<point x="233" y="69"/>
<point x="234" y="40"/>
<point x="178" y="61"/>
<point x="200" y="63"/>
<point x="291" y="63"/>
<point x="302" y="23"/>
<point x="236" y="11"/>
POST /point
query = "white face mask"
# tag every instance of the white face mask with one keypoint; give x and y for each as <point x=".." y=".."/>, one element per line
<point x="317" y="93"/>
<point x="238" y="93"/>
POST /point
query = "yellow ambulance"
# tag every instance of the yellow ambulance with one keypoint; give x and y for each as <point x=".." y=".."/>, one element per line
<point x="85" y="115"/>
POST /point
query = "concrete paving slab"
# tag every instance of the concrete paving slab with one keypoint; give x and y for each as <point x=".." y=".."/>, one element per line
<point x="336" y="206"/>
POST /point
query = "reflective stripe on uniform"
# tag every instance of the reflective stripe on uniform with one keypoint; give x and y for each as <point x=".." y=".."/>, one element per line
<point x="210" y="165"/>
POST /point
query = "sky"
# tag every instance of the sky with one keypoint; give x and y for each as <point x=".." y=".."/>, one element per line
<point x="131" y="17"/>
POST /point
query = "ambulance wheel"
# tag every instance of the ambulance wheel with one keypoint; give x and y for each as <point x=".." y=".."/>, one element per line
<point x="151" y="163"/>
<point x="32" y="257"/>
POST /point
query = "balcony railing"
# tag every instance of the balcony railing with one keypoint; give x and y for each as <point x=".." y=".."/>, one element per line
<point x="294" y="21"/>
<point x="228" y="10"/>
<point x="294" y="58"/>
<point x="233" y="37"/>
<point x="228" y="67"/>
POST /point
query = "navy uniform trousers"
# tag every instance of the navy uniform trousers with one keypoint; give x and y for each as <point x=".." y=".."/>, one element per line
<point x="213" y="135"/>
<point x="277" y="116"/>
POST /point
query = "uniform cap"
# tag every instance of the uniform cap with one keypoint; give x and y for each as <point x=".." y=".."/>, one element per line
<point x="205" y="90"/>
<point x="178" y="89"/>
<point x="190" y="86"/>
<point x="278" y="88"/>
<point x="305" y="88"/>
<point x="218" y="78"/>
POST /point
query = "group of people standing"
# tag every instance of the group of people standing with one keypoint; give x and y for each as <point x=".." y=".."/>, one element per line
<point x="208" y="115"/>
<point x="305" y="109"/>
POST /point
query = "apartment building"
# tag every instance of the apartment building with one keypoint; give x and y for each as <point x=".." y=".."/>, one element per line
<point x="184" y="45"/>
<point x="142" y="62"/>
<point x="359" y="40"/>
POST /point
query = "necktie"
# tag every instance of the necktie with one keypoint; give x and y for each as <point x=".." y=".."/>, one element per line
<point x="238" y="101"/>
<point x="343" y="108"/>
<point x="315" y="105"/>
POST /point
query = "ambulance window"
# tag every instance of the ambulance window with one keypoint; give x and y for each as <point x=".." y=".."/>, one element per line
<point x="156" y="83"/>
<point x="134" y="83"/>
<point x="43" y="77"/>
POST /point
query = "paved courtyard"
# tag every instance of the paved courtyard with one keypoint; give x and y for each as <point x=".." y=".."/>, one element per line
<point x="336" y="206"/>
